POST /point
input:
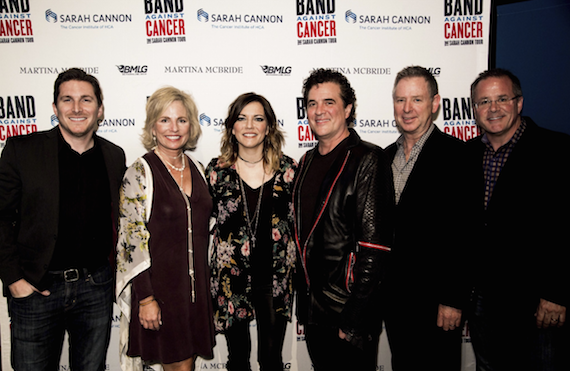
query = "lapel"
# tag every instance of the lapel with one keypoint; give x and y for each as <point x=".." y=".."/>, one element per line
<point x="112" y="164"/>
<point x="326" y="188"/>
<point x="49" y="170"/>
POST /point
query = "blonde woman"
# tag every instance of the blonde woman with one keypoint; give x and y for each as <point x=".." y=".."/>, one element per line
<point x="162" y="269"/>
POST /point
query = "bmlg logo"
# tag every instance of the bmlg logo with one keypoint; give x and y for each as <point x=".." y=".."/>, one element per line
<point x="276" y="71"/>
<point x="51" y="17"/>
<point x="202" y="15"/>
<point x="132" y="70"/>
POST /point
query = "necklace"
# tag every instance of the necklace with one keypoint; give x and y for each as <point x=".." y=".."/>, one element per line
<point x="168" y="162"/>
<point x="181" y="170"/>
<point x="252" y="229"/>
<point x="251" y="162"/>
<point x="174" y="157"/>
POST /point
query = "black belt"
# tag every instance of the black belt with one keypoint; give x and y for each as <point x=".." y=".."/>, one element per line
<point x="70" y="275"/>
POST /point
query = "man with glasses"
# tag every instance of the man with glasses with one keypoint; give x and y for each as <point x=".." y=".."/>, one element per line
<point x="521" y="287"/>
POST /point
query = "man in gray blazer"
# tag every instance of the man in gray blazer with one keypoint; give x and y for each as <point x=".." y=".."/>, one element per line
<point x="59" y="195"/>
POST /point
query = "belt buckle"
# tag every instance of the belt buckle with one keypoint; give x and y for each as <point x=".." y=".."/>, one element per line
<point x="71" y="275"/>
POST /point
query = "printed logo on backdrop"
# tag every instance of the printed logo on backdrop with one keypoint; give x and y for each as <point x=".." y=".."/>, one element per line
<point x="458" y="119"/>
<point x="85" y="21"/>
<point x="386" y="22"/>
<point x="205" y="120"/>
<point x="300" y="331"/>
<point x="17" y="116"/>
<point x="108" y="125"/>
<point x="435" y="71"/>
<point x="126" y="70"/>
<point x="362" y="70"/>
<point x="316" y="22"/>
<point x="208" y="70"/>
<point x="463" y="22"/>
<point x="305" y="137"/>
<point x="375" y="126"/>
<point x="466" y="334"/>
<point x="232" y="21"/>
<point x="216" y="124"/>
<point x="164" y="21"/>
<point x="15" y="22"/>
<point x="276" y="70"/>
<point x="116" y="124"/>
<point x="54" y="70"/>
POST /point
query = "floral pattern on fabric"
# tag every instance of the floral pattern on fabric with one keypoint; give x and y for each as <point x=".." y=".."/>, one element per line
<point x="229" y="262"/>
<point x="133" y="234"/>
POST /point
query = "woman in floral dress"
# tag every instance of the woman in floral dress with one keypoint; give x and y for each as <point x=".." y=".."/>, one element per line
<point x="254" y="252"/>
<point x="162" y="252"/>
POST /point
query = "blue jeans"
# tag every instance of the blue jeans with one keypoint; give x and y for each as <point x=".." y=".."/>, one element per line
<point x="83" y="308"/>
<point x="503" y="340"/>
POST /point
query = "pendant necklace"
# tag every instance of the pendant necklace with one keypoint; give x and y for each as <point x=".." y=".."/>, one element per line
<point x="252" y="229"/>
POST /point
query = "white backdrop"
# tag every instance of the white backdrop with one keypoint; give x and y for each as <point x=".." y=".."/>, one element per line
<point x="216" y="50"/>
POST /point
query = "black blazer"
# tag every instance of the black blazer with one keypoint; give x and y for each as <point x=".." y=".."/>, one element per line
<point x="432" y="226"/>
<point x="29" y="202"/>
<point x="524" y="231"/>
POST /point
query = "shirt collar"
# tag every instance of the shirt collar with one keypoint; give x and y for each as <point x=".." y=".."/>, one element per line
<point x="420" y="143"/>
<point x="62" y="144"/>
<point x="514" y="139"/>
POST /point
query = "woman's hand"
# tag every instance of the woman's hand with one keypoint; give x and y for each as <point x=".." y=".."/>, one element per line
<point x="149" y="314"/>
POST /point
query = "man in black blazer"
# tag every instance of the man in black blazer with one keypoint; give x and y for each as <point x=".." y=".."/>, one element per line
<point x="522" y="288"/>
<point x="59" y="193"/>
<point x="425" y="289"/>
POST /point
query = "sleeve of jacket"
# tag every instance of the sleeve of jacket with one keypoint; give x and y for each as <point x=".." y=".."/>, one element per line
<point x="373" y="238"/>
<point x="10" y="197"/>
<point x="133" y="252"/>
<point x="552" y="273"/>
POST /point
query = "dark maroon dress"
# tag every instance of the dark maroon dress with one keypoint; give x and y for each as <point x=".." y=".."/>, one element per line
<point x="187" y="328"/>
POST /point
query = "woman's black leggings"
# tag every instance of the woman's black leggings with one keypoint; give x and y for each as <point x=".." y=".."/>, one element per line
<point x="270" y="336"/>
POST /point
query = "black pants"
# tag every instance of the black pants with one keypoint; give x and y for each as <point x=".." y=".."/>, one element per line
<point x="417" y="343"/>
<point x="270" y="336"/>
<point x="515" y="343"/>
<point x="329" y="352"/>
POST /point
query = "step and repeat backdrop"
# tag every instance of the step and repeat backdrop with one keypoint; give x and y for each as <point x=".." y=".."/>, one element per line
<point x="217" y="50"/>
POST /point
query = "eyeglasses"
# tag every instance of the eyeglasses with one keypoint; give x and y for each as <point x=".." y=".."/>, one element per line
<point x="486" y="103"/>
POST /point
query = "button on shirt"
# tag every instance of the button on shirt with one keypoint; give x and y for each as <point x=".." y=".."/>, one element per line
<point x="401" y="168"/>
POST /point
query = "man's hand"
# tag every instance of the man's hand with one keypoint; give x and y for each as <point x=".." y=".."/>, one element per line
<point x="22" y="288"/>
<point x="549" y="314"/>
<point x="448" y="318"/>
